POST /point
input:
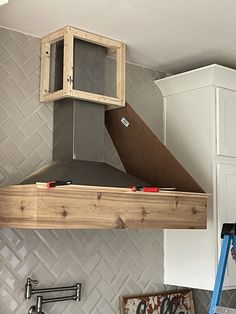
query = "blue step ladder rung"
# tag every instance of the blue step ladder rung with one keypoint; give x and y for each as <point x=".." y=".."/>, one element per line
<point x="228" y="235"/>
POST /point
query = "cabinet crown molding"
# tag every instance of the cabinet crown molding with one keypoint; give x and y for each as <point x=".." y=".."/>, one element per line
<point x="212" y="75"/>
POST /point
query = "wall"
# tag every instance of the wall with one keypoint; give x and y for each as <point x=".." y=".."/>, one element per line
<point x="108" y="263"/>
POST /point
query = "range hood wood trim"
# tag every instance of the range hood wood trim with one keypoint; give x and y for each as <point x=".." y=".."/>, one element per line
<point x="34" y="206"/>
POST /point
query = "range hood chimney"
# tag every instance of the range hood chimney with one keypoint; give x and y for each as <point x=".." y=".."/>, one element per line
<point x="78" y="132"/>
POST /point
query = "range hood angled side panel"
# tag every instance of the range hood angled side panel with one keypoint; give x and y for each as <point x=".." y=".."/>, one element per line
<point x="144" y="155"/>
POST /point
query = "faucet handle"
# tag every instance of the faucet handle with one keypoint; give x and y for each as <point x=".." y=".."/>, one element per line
<point x="29" y="281"/>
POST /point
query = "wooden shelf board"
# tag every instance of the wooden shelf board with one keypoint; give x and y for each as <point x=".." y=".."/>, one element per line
<point x="34" y="206"/>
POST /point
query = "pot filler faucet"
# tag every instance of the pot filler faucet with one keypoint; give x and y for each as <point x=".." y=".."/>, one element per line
<point x="29" y="290"/>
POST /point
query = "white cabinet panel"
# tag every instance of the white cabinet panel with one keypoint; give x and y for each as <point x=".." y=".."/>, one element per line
<point x="226" y="126"/>
<point x="200" y="130"/>
<point x="226" y="190"/>
<point x="189" y="258"/>
<point x="188" y="133"/>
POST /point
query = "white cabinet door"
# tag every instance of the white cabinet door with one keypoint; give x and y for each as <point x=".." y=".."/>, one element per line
<point x="226" y="186"/>
<point x="226" y="126"/>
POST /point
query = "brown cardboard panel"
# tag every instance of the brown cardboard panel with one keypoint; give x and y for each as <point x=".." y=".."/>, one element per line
<point x="144" y="155"/>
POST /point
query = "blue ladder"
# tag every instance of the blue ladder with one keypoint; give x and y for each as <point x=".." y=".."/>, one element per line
<point x="228" y="235"/>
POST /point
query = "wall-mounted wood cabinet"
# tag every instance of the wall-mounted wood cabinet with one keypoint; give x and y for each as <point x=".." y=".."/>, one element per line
<point x="68" y="55"/>
<point x="200" y="127"/>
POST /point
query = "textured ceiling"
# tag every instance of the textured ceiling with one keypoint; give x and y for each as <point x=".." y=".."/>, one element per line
<point x="168" y="35"/>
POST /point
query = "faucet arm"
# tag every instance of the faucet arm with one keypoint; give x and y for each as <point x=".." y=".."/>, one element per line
<point x="32" y="309"/>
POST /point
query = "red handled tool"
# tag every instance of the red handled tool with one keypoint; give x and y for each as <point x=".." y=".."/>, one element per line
<point x="150" y="189"/>
<point x="53" y="184"/>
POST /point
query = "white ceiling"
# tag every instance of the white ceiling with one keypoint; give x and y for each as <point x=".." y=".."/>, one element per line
<point x="167" y="35"/>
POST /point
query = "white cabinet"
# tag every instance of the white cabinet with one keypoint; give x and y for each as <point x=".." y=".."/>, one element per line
<point x="200" y="131"/>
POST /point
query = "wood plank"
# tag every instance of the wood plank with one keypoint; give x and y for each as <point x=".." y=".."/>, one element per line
<point x="45" y="69"/>
<point x="144" y="155"/>
<point x="76" y="207"/>
<point x="18" y="207"/>
<point x="54" y="36"/>
<point x="106" y="100"/>
<point x="120" y="75"/>
<point x="68" y="60"/>
<point x="54" y="96"/>
<point x="97" y="39"/>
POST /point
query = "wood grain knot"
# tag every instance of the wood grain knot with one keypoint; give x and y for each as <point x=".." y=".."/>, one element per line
<point x="176" y="201"/>
<point x="99" y="195"/>
<point x="22" y="208"/>
<point x="144" y="214"/>
<point x="194" y="210"/>
<point x="120" y="224"/>
<point x="64" y="213"/>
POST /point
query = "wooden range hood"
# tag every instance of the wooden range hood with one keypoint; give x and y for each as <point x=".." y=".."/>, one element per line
<point x="35" y="206"/>
<point x="82" y="206"/>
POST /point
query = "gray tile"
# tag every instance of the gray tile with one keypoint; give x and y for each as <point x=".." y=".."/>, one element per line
<point x="30" y="164"/>
<point x="3" y="54"/>
<point x="4" y="94"/>
<point x="13" y="131"/>
<point x="12" y="236"/>
<point x="30" y="144"/>
<point x="25" y="269"/>
<point x="3" y="135"/>
<point x="13" y="90"/>
<point x="31" y="47"/>
<point x="3" y="114"/>
<point x="45" y="152"/>
<point x="46" y="112"/>
<point x="2" y="177"/>
<point x="46" y="134"/>
<point x="31" y="85"/>
<point x="12" y="152"/>
<point x="31" y="104"/>
<point x="12" y="172"/>
<point x="14" y="50"/>
<point x="13" y="111"/>
<point x="4" y="35"/>
<point x="3" y="74"/>
<point x="9" y="256"/>
<point x="15" y="71"/>
<point x="32" y="123"/>
<point x="32" y="65"/>
<point x="20" y="38"/>
<point x="8" y="300"/>
<point x="7" y="277"/>
<point x="3" y="155"/>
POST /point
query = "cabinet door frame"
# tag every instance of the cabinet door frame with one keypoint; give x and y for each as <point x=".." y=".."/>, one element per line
<point x="222" y="202"/>
<point x="223" y="148"/>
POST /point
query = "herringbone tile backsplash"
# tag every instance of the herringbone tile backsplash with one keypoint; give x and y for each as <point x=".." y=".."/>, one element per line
<point x="108" y="263"/>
